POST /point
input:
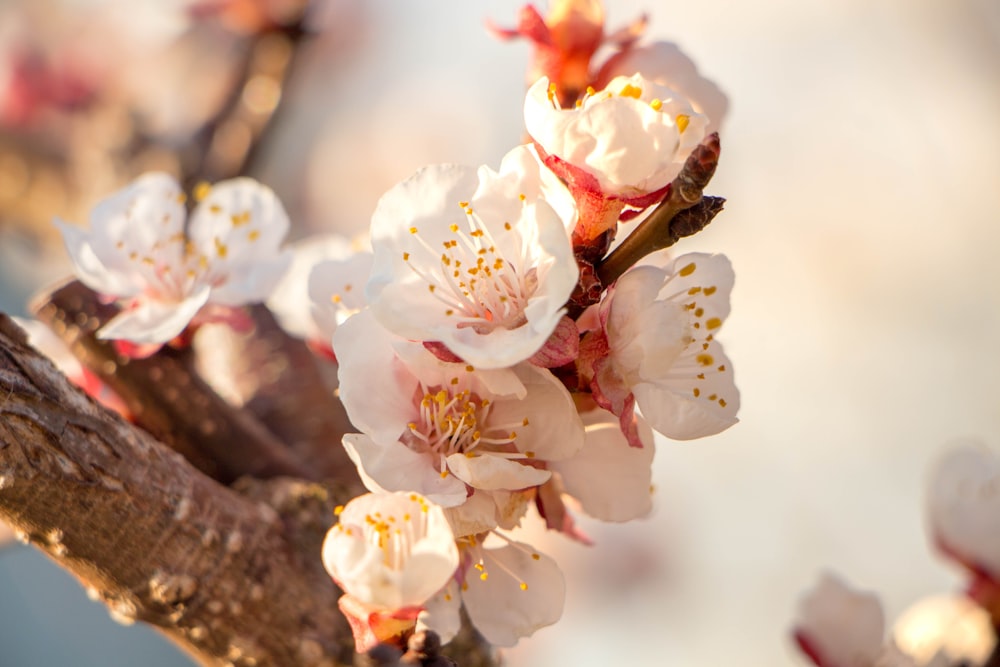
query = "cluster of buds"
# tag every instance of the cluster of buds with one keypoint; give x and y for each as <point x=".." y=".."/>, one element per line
<point x="493" y="344"/>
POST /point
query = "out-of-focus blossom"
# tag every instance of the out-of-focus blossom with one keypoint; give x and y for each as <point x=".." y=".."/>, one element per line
<point x="836" y="626"/>
<point x="322" y="288"/>
<point x="249" y="16"/>
<point x="509" y="592"/>
<point x="466" y="438"/>
<point x="466" y="259"/>
<point x="945" y="630"/>
<point x="138" y="252"/>
<point x="390" y="553"/>
<point x="665" y="64"/>
<point x="963" y="510"/>
<point x="654" y="346"/>
<point x="619" y="146"/>
<point x="565" y="42"/>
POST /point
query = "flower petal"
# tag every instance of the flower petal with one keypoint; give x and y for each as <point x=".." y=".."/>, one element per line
<point x="610" y="479"/>
<point x="395" y="467"/>
<point x="840" y="627"/>
<point x="522" y="591"/>
<point x="153" y="321"/>
<point x="442" y="613"/>
<point x="494" y="473"/>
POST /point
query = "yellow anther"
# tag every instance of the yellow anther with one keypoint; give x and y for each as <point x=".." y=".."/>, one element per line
<point x="201" y="190"/>
<point x="529" y="455"/>
<point x="182" y="198"/>
<point x="338" y="509"/>
<point x="656" y="105"/>
<point x="215" y="208"/>
<point x="254" y="235"/>
<point x="413" y="230"/>
<point x="336" y="298"/>
<point x="590" y="91"/>
<point x="406" y="256"/>
<point x="453" y="227"/>
<point x="220" y="248"/>
<point x="713" y="323"/>
<point x="524" y="586"/>
<point x="431" y="287"/>
<point x="631" y="91"/>
<point x="722" y="402"/>
<point x="709" y="291"/>
<point x="444" y="473"/>
<point x="687" y="270"/>
<point x="239" y="219"/>
<point x="536" y="556"/>
<point x="705" y="359"/>
<point x="721" y="368"/>
<point x="682" y="121"/>
<point x="524" y="422"/>
<point x="699" y="312"/>
<point x="697" y="392"/>
<point x="484" y="576"/>
<point x="470" y="368"/>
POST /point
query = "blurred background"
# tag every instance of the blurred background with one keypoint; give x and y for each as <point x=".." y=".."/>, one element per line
<point x="861" y="163"/>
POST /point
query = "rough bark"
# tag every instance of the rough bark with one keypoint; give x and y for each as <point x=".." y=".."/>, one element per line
<point x="232" y="577"/>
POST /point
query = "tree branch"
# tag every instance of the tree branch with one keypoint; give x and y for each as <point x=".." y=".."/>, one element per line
<point x="235" y="578"/>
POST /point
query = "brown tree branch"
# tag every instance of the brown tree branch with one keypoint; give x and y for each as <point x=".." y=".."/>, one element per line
<point x="235" y="578"/>
<point x="168" y="398"/>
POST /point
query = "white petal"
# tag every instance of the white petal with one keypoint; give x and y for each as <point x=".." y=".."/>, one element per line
<point x="554" y="430"/>
<point x="500" y="608"/>
<point x="90" y="270"/>
<point x="375" y="386"/>
<point x="686" y="406"/>
<point x="442" y="613"/>
<point x="610" y="479"/>
<point x="290" y="301"/>
<point x="478" y="514"/>
<point x="492" y="472"/>
<point x="668" y="66"/>
<point x="963" y="505"/>
<point x="239" y="228"/>
<point x="336" y="290"/>
<point x="395" y="467"/>
<point x="153" y="321"/>
<point x="844" y="627"/>
<point x="538" y="181"/>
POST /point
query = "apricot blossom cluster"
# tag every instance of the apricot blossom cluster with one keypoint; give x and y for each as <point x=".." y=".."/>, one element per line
<point x="482" y="361"/>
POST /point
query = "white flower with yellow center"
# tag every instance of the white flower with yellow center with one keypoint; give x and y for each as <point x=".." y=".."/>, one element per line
<point x="632" y="136"/>
<point x="659" y="349"/>
<point x="390" y="553"/>
<point x="139" y="252"/>
<point x="468" y="259"/>
<point x="465" y="438"/>
<point x="391" y="550"/>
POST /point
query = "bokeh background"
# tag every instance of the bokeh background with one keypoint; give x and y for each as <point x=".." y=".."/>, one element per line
<point x="861" y="163"/>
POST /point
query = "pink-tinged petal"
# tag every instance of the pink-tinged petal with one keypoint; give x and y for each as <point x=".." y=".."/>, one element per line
<point x="152" y="321"/>
<point x="667" y="65"/>
<point x="547" y="424"/>
<point x="561" y="348"/>
<point x="478" y="514"/>
<point x="610" y="479"/>
<point x="519" y="592"/>
<point x="442" y="613"/>
<point x="963" y="506"/>
<point x="337" y="291"/>
<point x="372" y="625"/>
<point x="557" y="516"/>
<point x="395" y="467"/>
<point x="375" y="386"/>
<point x="839" y="627"/>
<point x="491" y="473"/>
<point x="700" y="400"/>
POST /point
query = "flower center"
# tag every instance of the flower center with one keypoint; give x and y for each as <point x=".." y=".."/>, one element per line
<point x="394" y="532"/>
<point x="478" y="285"/>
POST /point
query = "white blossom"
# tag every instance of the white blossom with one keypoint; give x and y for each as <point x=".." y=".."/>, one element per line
<point x="322" y="288"/>
<point x="466" y="258"/>
<point x="448" y="430"/>
<point x="138" y="251"/>
<point x="660" y="326"/>
<point x="633" y="136"/>
<point x="839" y="627"/>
